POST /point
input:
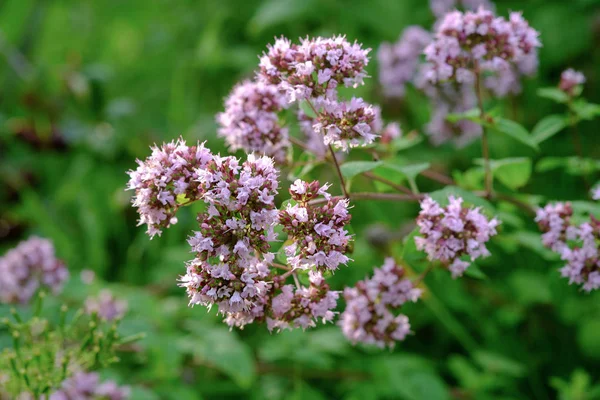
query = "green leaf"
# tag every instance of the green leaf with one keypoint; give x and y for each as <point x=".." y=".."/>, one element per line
<point x="475" y="272"/>
<point x="548" y="127"/>
<point x="512" y="172"/>
<point x="514" y="130"/>
<point x="353" y="168"/>
<point x="403" y="143"/>
<point x="218" y="346"/>
<point x="471" y="115"/>
<point x="276" y="12"/>
<point x="441" y="196"/>
<point x="410" y="171"/>
<point x="572" y="165"/>
<point x="553" y="93"/>
<point x="499" y="364"/>
<point x="585" y="110"/>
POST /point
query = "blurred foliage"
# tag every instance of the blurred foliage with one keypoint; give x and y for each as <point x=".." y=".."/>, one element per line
<point x="86" y="86"/>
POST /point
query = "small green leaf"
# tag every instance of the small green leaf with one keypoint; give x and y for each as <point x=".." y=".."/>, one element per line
<point x="548" y="127"/>
<point x="403" y="143"/>
<point x="410" y="171"/>
<point x="471" y="115"/>
<point x="218" y="346"/>
<point x="514" y="130"/>
<point x="585" y="110"/>
<point x="553" y="94"/>
<point x="353" y="168"/>
<point x="499" y="364"/>
<point x="512" y="172"/>
<point x="307" y="109"/>
<point x="475" y="272"/>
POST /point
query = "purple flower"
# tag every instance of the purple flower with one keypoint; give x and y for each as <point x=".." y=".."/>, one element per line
<point x="315" y="67"/>
<point x="87" y="386"/>
<point x="303" y="306"/>
<point x="453" y="232"/>
<point x="164" y="181"/>
<point x="250" y="121"/>
<point x="441" y="7"/>
<point x="231" y="268"/>
<point x="570" y="80"/>
<point x="317" y="232"/>
<point x="478" y="41"/>
<point x="577" y="245"/>
<point x="106" y="306"/>
<point x="398" y="62"/>
<point x="347" y="124"/>
<point x="370" y="316"/>
<point x="28" y="267"/>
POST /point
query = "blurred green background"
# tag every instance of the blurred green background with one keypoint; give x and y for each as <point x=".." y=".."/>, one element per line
<point x="87" y="86"/>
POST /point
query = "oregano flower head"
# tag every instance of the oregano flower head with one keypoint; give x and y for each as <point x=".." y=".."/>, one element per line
<point x="370" y="316"/>
<point x="250" y="121"/>
<point x="452" y="233"/>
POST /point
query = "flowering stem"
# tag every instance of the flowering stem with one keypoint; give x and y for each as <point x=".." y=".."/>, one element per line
<point x="296" y="280"/>
<point x="339" y="171"/>
<point x="281" y="266"/>
<point x="484" y="138"/>
<point x="438" y="177"/>
<point x="423" y="274"/>
<point x="333" y="157"/>
<point x="298" y="143"/>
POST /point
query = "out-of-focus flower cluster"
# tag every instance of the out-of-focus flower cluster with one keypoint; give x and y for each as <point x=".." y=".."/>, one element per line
<point x="450" y="234"/>
<point x="478" y="42"/>
<point x="370" y="316"/>
<point x="87" y="386"/>
<point x="318" y="234"/>
<point x="462" y="43"/>
<point x="441" y="7"/>
<point x="571" y="80"/>
<point x="399" y="62"/>
<point x="315" y="67"/>
<point x="106" y="306"/>
<point x="577" y="245"/>
<point x="250" y="121"/>
<point x="166" y="180"/>
<point x="28" y="267"/>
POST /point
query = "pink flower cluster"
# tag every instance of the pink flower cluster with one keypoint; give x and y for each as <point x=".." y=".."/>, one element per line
<point x="231" y="268"/>
<point x="577" y="245"/>
<point x="390" y="132"/>
<point x="477" y="42"/>
<point x="300" y="307"/>
<point x="570" y="80"/>
<point x="28" y="267"/>
<point x="347" y="124"/>
<point x="441" y="7"/>
<point x="166" y="180"/>
<point x="87" y="386"/>
<point x="251" y="122"/>
<point x="318" y="232"/>
<point x="399" y="62"/>
<point x="106" y="306"/>
<point x="315" y="67"/>
<point x="452" y="233"/>
<point x="370" y="316"/>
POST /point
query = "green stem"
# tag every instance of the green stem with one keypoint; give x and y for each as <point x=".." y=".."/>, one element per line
<point x="484" y="137"/>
